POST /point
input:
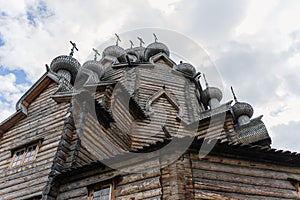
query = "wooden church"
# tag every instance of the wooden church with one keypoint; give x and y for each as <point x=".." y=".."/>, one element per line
<point x="136" y="125"/>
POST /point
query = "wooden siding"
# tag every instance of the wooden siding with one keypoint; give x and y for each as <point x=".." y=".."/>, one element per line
<point x="142" y="185"/>
<point x="104" y="143"/>
<point x="216" y="128"/>
<point x="218" y="177"/>
<point x="44" y="121"/>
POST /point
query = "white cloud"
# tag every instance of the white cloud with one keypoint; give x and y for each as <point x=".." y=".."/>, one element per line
<point x="10" y="93"/>
<point x="257" y="14"/>
<point x="166" y="6"/>
<point x="6" y="110"/>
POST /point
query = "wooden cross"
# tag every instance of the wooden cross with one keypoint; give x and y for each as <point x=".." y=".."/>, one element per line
<point x="131" y="44"/>
<point x="155" y="37"/>
<point x="73" y="47"/>
<point x="118" y="39"/>
<point x="96" y="53"/>
<point x="141" y="41"/>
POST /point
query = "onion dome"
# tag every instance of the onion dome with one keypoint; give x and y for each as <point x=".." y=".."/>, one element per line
<point x="242" y="108"/>
<point x="132" y="58"/>
<point x="95" y="66"/>
<point x="211" y="93"/>
<point x="211" y="96"/>
<point x="107" y="74"/>
<point x="65" y="65"/>
<point x="155" y="48"/>
<point x="116" y="52"/>
<point x="186" y="69"/>
<point x="136" y="52"/>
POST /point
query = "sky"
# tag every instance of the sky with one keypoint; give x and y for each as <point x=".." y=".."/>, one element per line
<point x="255" y="46"/>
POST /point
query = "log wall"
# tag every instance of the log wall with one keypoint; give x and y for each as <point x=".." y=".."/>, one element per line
<point x="142" y="185"/>
<point x="44" y="121"/>
<point x="218" y="177"/>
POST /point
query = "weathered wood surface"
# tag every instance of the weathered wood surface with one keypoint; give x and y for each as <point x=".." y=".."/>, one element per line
<point x="138" y="185"/>
<point x="45" y="121"/>
<point x="240" y="179"/>
<point x="177" y="180"/>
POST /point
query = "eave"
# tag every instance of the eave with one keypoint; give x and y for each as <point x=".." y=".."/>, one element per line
<point x="26" y="100"/>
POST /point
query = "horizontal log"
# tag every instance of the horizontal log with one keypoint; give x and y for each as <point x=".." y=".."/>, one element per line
<point x="138" y="186"/>
<point x="238" y="178"/>
<point x="78" y="192"/>
<point x="212" y="195"/>
<point x="77" y="182"/>
<point x="142" y="195"/>
<point x="239" y="188"/>
<point x="19" y="194"/>
<point x="138" y="176"/>
<point x="214" y="161"/>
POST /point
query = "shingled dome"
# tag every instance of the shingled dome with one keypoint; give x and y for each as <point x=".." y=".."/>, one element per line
<point x="137" y="52"/>
<point x="155" y="48"/>
<point x="186" y="68"/>
<point x="242" y="108"/>
<point x="67" y="63"/>
<point x="211" y="93"/>
<point x="115" y="51"/>
<point x="94" y="66"/>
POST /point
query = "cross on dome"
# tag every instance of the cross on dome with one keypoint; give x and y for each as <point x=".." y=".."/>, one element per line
<point x="155" y="37"/>
<point x="141" y="41"/>
<point x="96" y="53"/>
<point x="118" y="39"/>
<point x="73" y="47"/>
<point x="131" y="44"/>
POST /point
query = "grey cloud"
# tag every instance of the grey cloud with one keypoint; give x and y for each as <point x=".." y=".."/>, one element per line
<point x="251" y="72"/>
<point x="212" y="20"/>
<point x="286" y="136"/>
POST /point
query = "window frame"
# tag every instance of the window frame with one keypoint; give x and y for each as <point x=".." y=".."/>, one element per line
<point x="100" y="186"/>
<point x="24" y="148"/>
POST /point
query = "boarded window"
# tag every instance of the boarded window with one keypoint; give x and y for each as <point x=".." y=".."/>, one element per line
<point x="24" y="155"/>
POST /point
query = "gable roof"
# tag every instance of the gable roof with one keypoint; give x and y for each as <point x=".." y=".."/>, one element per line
<point x="24" y="102"/>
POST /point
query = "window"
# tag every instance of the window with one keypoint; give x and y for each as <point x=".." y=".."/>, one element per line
<point x="24" y="155"/>
<point x="100" y="192"/>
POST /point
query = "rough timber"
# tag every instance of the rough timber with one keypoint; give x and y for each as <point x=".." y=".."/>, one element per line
<point x="92" y="123"/>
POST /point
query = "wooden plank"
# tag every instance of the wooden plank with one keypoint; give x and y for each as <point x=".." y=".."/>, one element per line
<point x="235" y="163"/>
<point x="74" y="193"/>
<point x="239" y="188"/>
<point x="138" y="186"/>
<point x="244" y="179"/>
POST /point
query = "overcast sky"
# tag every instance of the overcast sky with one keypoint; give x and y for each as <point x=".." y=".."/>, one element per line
<point x="254" y="44"/>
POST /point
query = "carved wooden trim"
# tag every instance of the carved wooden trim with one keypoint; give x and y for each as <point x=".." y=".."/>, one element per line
<point x="170" y="98"/>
